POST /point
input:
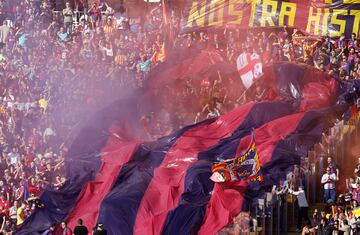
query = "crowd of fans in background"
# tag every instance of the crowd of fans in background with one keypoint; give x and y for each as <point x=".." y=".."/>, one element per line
<point x="341" y="215"/>
<point x="56" y="67"/>
<point x="339" y="210"/>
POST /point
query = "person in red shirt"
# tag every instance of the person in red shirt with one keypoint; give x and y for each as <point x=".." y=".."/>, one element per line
<point x="28" y="157"/>
<point x="34" y="188"/>
<point x="4" y="206"/>
<point x="19" y="191"/>
<point x="95" y="13"/>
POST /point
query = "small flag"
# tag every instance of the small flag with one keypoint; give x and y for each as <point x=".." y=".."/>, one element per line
<point x="249" y="67"/>
<point x="245" y="167"/>
<point x="161" y="54"/>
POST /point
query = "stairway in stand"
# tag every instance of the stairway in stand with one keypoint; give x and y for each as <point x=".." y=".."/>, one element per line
<point x="292" y="227"/>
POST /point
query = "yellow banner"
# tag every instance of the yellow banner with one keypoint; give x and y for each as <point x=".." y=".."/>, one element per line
<point x="314" y="17"/>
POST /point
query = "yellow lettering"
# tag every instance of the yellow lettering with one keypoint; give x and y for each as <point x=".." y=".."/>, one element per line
<point x="266" y="16"/>
<point x="356" y="14"/>
<point x="216" y="6"/>
<point x="234" y="12"/>
<point x="196" y="16"/>
<point x="325" y="21"/>
<point x="254" y="3"/>
<point x="336" y="21"/>
<point x="287" y="9"/>
<point x="328" y="1"/>
<point x="314" y="19"/>
<point x="351" y="1"/>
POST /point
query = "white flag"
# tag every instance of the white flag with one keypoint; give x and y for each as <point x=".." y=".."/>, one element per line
<point x="249" y="67"/>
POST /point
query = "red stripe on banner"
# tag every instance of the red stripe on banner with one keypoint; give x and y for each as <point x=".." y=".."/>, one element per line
<point x="227" y="199"/>
<point x="167" y="185"/>
<point x="114" y="155"/>
<point x="197" y="63"/>
<point x="318" y="91"/>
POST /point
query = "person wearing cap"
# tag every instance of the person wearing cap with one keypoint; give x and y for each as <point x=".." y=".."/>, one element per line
<point x="328" y="180"/>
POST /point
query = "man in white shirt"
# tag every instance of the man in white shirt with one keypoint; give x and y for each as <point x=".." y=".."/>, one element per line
<point x="14" y="157"/>
<point x="4" y="32"/>
<point x="303" y="206"/>
<point x="328" y="180"/>
<point x="13" y="212"/>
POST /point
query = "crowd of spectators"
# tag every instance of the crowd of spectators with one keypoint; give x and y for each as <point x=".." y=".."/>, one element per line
<point x="338" y="213"/>
<point x="58" y="67"/>
<point x="340" y="56"/>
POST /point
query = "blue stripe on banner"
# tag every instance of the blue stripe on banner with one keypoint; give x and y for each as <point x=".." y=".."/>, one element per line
<point x="119" y="208"/>
<point x="85" y="153"/>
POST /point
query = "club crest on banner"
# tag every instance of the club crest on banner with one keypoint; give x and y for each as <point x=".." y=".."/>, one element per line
<point x="244" y="167"/>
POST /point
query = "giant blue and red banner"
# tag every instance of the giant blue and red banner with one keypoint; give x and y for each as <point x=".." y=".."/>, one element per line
<point x="314" y="17"/>
<point x="164" y="186"/>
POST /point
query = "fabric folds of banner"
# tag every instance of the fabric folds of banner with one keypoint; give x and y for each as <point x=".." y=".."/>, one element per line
<point x="163" y="186"/>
